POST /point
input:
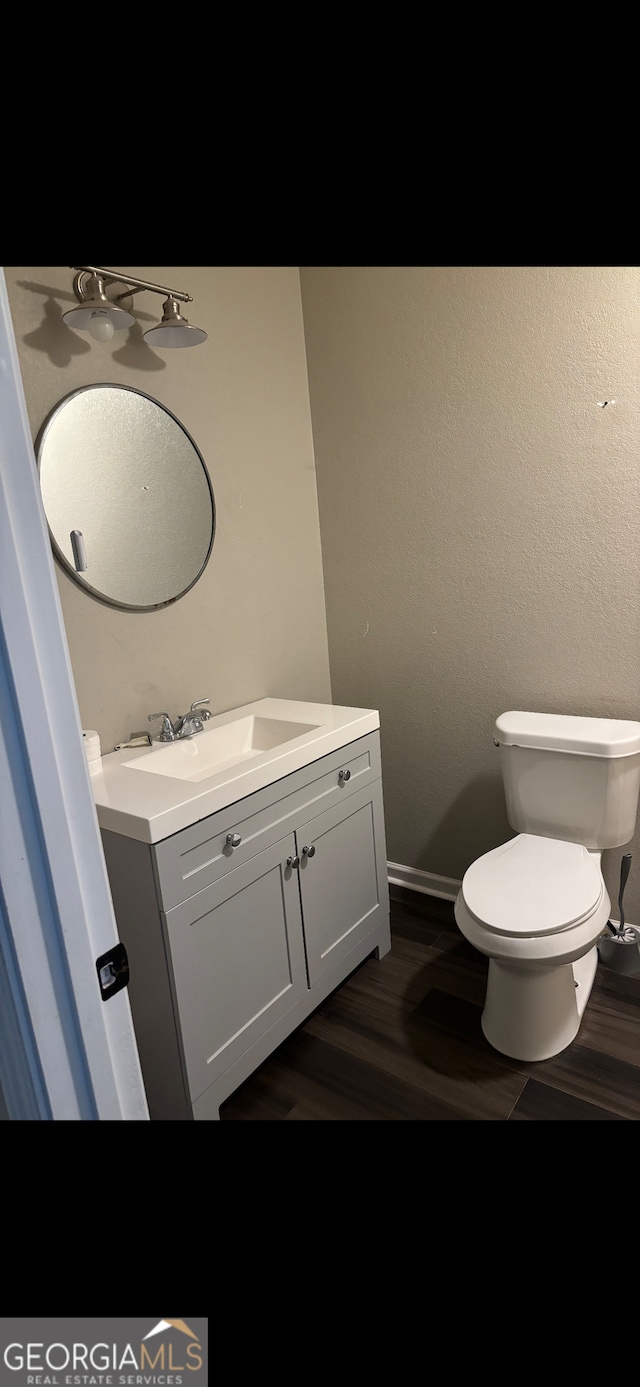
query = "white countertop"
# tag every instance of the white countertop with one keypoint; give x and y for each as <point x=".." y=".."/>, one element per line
<point x="150" y="806"/>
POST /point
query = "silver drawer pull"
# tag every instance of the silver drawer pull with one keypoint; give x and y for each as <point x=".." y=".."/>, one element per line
<point x="293" y="862"/>
<point x="234" y="840"/>
<point x="344" y="775"/>
<point x="309" y="852"/>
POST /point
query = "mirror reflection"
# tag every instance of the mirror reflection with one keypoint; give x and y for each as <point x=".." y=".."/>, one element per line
<point x="127" y="496"/>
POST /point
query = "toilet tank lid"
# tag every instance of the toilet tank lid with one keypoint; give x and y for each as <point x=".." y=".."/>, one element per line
<point x="558" y="732"/>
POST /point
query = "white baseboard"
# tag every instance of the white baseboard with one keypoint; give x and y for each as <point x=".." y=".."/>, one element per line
<point x="427" y="882"/>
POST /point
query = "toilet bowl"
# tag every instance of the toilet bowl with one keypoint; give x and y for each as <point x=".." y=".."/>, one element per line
<point x="537" y="905"/>
<point x="536" y="908"/>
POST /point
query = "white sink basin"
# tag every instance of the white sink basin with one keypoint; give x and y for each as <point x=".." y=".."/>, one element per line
<point x="155" y="791"/>
<point x="219" y="748"/>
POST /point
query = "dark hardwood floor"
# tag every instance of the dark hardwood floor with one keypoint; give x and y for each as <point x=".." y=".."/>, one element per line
<point x="401" y="1040"/>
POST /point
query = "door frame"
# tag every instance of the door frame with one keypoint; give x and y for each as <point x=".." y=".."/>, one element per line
<point x="65" y="1053"/>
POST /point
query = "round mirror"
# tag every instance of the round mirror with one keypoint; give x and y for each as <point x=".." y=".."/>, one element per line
<point x="127" y="497"/>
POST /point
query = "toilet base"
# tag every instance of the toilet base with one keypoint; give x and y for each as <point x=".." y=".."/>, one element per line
<point x="533" y="1011"/>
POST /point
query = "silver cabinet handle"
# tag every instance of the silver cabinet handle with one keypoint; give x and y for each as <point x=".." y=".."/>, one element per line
<point x="344" y="775"/>
<point x="308" y="852"/>
<point x="293" y="862"/>
<point x="234" y="840"/>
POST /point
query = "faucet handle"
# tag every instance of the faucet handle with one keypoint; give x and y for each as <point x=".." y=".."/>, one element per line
<point x="167" y="734"/>
<point x="205" y="714"/>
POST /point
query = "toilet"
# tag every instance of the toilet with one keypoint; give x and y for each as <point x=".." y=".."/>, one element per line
<point x="537" y="905"/>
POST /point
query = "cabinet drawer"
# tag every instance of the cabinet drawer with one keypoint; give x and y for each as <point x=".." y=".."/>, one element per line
<point x="193" y="859"/>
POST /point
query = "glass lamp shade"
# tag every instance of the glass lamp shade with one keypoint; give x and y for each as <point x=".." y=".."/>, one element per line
<point x="174" y="330"/>
<point x="80" y="317"/>
<point x="175" y="335"/>
<point x="95" y="307"/>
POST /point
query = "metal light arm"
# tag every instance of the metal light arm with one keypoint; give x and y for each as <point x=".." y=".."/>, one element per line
<point x="134" y="286"/>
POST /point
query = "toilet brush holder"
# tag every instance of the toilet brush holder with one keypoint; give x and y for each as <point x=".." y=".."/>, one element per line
<point x="621" y="952"/>
<point x="620" y="949"/>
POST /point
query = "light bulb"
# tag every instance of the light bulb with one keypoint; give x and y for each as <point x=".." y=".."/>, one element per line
<point x="101" y="327"/>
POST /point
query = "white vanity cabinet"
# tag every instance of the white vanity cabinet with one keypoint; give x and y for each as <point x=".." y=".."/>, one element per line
<point x="238" y="926"/>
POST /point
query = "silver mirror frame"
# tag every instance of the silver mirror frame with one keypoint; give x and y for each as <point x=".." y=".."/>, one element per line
<point x="61" y="557"/>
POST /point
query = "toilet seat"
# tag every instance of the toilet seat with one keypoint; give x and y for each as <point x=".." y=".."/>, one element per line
<point x="532" y="887"/>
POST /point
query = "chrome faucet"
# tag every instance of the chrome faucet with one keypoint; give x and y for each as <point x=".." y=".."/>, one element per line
<point x="186" y="726"/>
<point x="191" y="722"/>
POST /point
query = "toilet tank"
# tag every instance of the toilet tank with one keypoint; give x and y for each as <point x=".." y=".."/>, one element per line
<point x="569" y="777"/>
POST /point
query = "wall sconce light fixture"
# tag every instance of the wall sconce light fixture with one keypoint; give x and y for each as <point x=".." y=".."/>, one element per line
<point x="104" y="308"/>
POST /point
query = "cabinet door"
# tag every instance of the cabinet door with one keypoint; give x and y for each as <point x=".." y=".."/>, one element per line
<point x="238" y="961"/>
<point x="343" y="878"/>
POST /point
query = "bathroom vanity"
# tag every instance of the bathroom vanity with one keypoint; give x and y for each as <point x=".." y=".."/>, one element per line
<point x="248" y="874"/>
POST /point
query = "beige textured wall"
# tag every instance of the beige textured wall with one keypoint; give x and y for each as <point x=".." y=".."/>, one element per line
<point x="480" y="521"/>
<point x="254" y="625"/>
